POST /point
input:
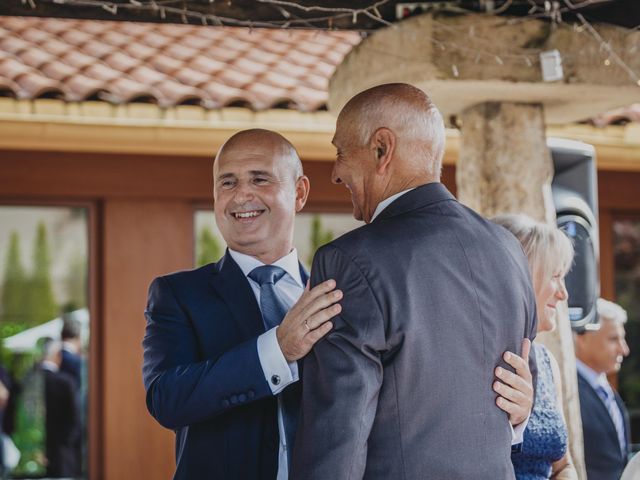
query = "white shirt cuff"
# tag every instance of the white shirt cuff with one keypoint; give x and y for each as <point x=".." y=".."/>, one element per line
<point x="517" y="434"/>
<point x="277" y="371"/>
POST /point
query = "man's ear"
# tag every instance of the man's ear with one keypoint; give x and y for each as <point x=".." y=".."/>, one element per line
<point x="302" y="192"/>
<point x="383" y="141"/>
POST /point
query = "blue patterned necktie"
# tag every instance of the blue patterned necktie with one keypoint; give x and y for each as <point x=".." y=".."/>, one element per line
<point x="272" y="308"/>
<point x="608" y="397"/>
<point x="273" y="311"/>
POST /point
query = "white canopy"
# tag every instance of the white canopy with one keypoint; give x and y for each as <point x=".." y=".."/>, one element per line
<point x="27" y="340"/>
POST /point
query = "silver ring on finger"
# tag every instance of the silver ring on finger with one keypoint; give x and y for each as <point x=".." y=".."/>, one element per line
<point x="307" y="325"/>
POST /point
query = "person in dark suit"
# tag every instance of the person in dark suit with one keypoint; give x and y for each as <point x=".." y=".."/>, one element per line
<point x="605" y="420"/>
<point x="62" y="426"/>
<point x="71" y="347"/>
<point x="219" y="368"/>
<point x="434" y="294"/>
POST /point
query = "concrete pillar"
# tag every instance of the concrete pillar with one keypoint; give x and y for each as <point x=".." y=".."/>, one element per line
<point x="505" y="167"/>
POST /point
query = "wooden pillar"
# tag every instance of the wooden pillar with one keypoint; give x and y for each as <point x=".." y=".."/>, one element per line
<point x="142" y="239"/>
<point x="505" y="167"/>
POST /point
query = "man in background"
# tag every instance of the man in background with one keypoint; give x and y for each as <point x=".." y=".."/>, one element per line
<point x="71" y="348"/>
<point x="605" y="420"/>
<point x="62" y="423"/>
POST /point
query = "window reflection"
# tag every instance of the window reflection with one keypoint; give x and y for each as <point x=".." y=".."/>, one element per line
<point x="627" y="284"/>
<point x="44" y="327"/>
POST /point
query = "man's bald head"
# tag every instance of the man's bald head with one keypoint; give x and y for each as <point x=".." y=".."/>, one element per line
<point x="269" y="139"/>
<point x="409" y="113"/>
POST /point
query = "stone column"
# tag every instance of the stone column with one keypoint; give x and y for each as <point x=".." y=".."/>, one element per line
<point x="505" y="167"/>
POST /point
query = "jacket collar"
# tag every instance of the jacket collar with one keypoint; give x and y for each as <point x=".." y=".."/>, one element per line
<point x="421" y="196"/>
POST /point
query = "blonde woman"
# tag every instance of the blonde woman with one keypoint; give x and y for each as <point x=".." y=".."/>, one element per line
<point x="549" y="251"/>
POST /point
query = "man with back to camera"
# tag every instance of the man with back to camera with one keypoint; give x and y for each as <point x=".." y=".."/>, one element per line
<point x="605" y="420"/>
<point x="433" y="296"/>
<point x="214" y="369"/>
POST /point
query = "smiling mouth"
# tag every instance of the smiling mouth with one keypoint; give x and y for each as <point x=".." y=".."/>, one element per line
<point x="247" y="215"/>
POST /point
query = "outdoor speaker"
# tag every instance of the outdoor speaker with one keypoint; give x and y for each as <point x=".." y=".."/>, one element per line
<point x="575" y="195"/>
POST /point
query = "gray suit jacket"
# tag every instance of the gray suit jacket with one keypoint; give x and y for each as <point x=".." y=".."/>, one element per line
<point x="401" y="387"/>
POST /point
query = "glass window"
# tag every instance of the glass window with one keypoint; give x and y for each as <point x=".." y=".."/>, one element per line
<point x="626" y="244"/>
<point x="312" y="230"/>
<point x="44" y="327"/>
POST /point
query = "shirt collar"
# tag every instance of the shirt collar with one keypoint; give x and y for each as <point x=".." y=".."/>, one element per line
<point x="592" y="377"/>
<point x="49" y="365"/>
<point x="289" y="263"/>
<point x="386" y="202"/>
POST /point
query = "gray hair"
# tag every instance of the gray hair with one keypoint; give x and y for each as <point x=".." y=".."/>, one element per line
<point x="611" y="311"/>
<point x="547" y="248"/>
<point x="409" y="113"/>
<point x="49" y="348"/>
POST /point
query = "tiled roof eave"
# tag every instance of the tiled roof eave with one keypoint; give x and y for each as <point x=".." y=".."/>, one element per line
<point x="55" y="125"/>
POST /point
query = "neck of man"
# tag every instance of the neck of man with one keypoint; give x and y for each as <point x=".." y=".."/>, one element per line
<point x="396" y="184"/>
<point x="271" y="256"/>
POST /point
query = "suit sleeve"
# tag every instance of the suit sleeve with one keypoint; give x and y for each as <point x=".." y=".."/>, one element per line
<point x="342" y="376"/>
<point x="181" y="388"/>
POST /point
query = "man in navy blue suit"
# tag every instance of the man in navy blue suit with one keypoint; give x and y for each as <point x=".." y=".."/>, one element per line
<point x="605" y="420"/>
<point x="215" y="370"/>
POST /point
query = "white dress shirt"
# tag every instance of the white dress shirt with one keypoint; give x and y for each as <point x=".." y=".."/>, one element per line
<point x="289" y="289"/>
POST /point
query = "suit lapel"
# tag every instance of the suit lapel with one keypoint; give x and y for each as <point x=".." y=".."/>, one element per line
<point x="233" y="287"/>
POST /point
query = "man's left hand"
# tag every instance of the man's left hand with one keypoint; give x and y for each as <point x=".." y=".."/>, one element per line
<point x="515" y="390"/>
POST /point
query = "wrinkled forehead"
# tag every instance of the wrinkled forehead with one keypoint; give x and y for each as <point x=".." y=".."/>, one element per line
<point x="245" y="158"/>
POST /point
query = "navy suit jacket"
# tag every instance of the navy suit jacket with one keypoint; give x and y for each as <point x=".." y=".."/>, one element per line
<point x="72" y="364"/>
<point x="203" y="376"/>
<point x="603" y="458"/>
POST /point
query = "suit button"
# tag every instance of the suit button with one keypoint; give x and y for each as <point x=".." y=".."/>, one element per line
<point x="242" y="397"/>
<point x="251" y="394"/>
<point x="225" y="403"/>
<point x="275" y="379"/>
<point x="234" y="399"/>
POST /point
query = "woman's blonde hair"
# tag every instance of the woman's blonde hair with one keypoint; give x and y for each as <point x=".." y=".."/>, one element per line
<point x="548" y="249"/>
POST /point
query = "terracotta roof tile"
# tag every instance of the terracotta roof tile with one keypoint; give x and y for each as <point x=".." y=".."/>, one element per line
<point x="146" y="75"/>
<point x="180" y="52"/>
<point x="174" y="93"/>
<point x="207" y="65"/>
<point x="35" y="36"/>
<point x="8" y="88"/>
<point x="125" y="90"/>
<point x="35" y="58"/>
<point x="103" y="72"/>
<point x="250" y="67"/>
<point x="57" y="26"/>
<point x="192" y="77"/>
<point x="115" y="38"/>
<point x="155" y="40"/>
<point x="55" y="46"/>
<point x="58" y="71"/>
<point x="121" y="61"/>
<point x="78" y="59"/>
<point x="139" y="50"/>
<point x="97" y="49"/>
<point x="76" y="37"/>
<point x="81" y="87"/>
<point x="11" y="68"/>
<point x="13" y="44"/>
<point x="33" y="85"/>
<point x="165" y="64"/>
<point x="168" y="64"/>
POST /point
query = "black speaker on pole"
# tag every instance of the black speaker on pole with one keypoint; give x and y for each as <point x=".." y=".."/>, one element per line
<point x="575" y="195"/>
